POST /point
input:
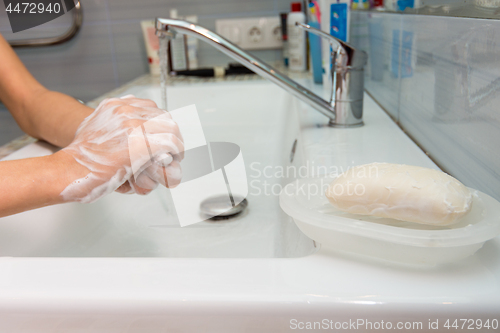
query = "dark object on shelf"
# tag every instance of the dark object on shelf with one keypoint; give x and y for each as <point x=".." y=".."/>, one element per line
<point x="232" y="69"/>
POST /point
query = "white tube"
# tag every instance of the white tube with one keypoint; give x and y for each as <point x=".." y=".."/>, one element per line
<point x="296" y="42"/>
<point x="152" y="46"/>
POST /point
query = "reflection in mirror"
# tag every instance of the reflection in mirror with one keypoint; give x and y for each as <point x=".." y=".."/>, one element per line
<point x="459" y="8"/>
<point x="439" y="79"/>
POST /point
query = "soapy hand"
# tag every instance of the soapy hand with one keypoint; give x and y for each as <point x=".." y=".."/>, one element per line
<point x="127" y="144"/>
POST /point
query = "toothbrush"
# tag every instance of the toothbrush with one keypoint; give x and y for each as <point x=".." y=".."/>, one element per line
<point x="312" y="13"/>
<point x="317" y="10"/>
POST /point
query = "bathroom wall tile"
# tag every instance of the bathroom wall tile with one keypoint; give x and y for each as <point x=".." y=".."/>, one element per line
<point x="130" y="52"/>
<point x="4" y="21"/>
<point x="8" y="127"/>
<point x="282" y="5"/>
<point x="109" y="50"/>
<point x="95" y="10"/>
<point x="133" y="9"/>
<point x="82" y="67"/>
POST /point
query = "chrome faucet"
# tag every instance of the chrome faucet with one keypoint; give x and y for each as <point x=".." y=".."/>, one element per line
<point x="345" y="108"/>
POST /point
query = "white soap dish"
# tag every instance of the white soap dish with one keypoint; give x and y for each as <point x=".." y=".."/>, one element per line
<point x="405" y="242"/>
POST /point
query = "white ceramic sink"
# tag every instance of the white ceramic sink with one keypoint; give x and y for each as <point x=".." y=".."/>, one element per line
<point x="118" y="266"/>
<point x="134" y="226"/>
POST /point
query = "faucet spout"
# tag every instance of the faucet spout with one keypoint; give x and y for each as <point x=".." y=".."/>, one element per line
<point x="170" y="27"/>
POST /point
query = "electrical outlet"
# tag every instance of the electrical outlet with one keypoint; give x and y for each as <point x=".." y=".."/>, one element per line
<point x="256" y="33"/>
<point x="277" y="33"/>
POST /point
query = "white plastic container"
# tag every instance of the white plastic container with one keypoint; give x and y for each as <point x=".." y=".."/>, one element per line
<point x="296" y="39"/>
<point x="396" y="241"/>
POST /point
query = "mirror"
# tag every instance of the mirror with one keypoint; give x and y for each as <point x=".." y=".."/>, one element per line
<point x="486" y="9"/>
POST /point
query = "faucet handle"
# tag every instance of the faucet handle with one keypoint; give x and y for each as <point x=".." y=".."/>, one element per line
<point x="347" y="55"/>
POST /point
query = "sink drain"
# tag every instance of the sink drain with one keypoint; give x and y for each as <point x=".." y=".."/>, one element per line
<point x="221" y="209"/>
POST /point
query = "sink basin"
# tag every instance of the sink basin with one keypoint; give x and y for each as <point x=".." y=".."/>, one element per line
<point x="138" y="226"/>
<point x="119" y="265"/>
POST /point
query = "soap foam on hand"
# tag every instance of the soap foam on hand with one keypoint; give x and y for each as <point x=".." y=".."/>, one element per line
<point x="402" y="192"/>
<point x="109" y="144"/>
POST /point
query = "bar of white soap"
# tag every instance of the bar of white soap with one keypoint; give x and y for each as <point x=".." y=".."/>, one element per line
<point x="402" y="192"/>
